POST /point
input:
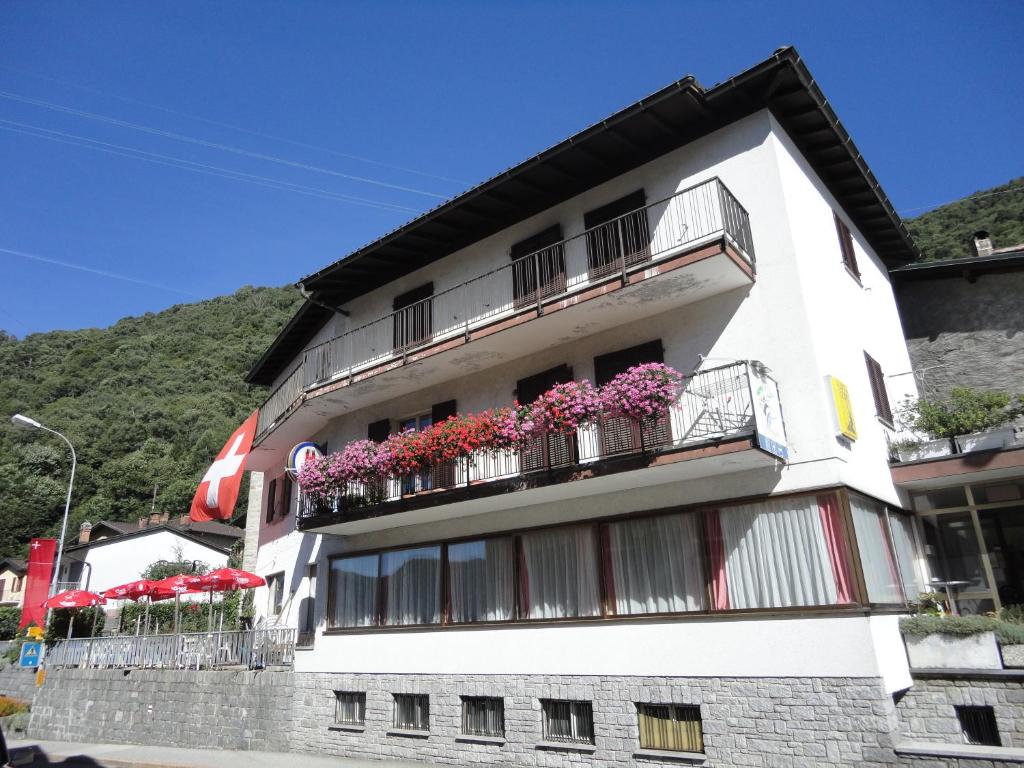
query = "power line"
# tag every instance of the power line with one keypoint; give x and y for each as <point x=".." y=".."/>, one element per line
<point x="230" y="126"/>
<point x="189" y="165"/>
<point x="211" y="144"/>
<point x="101" y="272"/>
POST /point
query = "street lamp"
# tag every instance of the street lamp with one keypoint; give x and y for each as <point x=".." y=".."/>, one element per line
<point x="26" y="423"/>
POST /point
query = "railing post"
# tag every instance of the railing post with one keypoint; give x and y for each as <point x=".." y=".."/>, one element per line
<point x="465" y="309"/>
<point x="622" y="251"/>
<point x="536" y="282"/>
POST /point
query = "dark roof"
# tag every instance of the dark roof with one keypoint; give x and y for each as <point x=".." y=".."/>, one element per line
<point x="1003" y="260"/>
<point x="14" y="564"/>
<point x="213" y="528"/>
<point x="195" y="531"/>
<point x="117" y="528"/>
<point x="674" y="116"/>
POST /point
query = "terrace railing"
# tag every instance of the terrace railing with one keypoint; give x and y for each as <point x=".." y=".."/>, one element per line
<point x="618" y="247"/>
<point x="252" y="649"/>
<point x="713" y="404"/>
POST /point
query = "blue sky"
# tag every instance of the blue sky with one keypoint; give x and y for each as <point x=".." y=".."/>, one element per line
<point x="437" y="95"/>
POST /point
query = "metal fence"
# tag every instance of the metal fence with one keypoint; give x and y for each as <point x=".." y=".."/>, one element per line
<point x="712" y="405"/>
<point x="253" y="649"/>
<point x="621" y="246"/>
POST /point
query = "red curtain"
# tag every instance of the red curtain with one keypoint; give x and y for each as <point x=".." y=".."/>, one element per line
<point x="716" y="556"/>
<point x="838" y="555"/>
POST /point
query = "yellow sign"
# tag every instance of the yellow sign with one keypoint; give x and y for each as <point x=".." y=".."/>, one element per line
<point x="40" y="677"/>
<point x="36" y="633"/>
<point x="842" y="409"/>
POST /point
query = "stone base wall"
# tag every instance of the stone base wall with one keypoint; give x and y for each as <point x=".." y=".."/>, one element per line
<point x="18" y="683"/>
<point x="769" y="722"/>
<point x="183" y="708"/>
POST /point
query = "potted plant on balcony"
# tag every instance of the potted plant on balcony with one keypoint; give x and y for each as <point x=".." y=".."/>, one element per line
<point x="563" y="409"/>
<point x="967" y="419"/>
<point x="951" y="642"/>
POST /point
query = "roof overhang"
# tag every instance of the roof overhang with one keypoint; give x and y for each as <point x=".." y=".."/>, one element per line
<point x="674" y="116"/>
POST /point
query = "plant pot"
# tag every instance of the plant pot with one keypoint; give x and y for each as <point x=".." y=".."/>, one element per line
<point x="930" y="449"/>
<point x="986" y="441"/>
<point x="937" y="651"/>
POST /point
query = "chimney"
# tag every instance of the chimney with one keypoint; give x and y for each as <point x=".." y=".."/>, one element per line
<point x="165" y="516"/>
<point x="184" y="520"/>
<point x="154" y="518"/>
<point x="143" y="521"/>
<point x="982" y="244"/>
<point x="83" y="532"/>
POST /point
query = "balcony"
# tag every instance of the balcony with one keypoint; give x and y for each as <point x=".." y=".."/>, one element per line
<point x="698" y="241"/>
<point x="725" y="419"/>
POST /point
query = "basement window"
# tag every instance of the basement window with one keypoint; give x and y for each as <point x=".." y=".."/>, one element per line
<point x="671" y="727"/>
<point x="412" y="712"/>
<point x="350" y="708"/>
<point x="570" y="722"/>
<point x="978" y="725"/>
<point x="483" y="716"/>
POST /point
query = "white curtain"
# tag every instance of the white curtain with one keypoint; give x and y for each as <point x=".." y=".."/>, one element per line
<point x="560" y="578"/>
<point x="776" y="555"/>
<point x="875" y="553"/>
<point x="656" y="565"/>
<point x="906" y="554"/>
<point x="412" y="586"/>
<point x="481" y="580"/>
<point x="355" y="591"/>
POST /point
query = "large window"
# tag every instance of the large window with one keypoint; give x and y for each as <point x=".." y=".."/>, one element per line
<point x="656" y="565"/>
<point x="671" y="727"/>
<point x="481" y="579"/>
<point x="568" y="721"/>
<point x="560" y="578"/>
<point x="881" y="573"/>
<point x="354" y="588"/>
<point x="411" y="579"/>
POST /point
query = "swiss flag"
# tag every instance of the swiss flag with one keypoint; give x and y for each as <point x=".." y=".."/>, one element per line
<point x="37" y="585"/>
<point x="218" y="491"/>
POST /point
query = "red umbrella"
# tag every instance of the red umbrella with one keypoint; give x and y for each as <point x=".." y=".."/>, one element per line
<point x="228" y="580"/>
<point x="76" y="598"/>
<point x="136" y="590"/>
<point x="181" y="584"/>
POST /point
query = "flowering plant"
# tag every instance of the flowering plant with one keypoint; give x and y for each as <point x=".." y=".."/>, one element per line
<point x="357" y="462"/>
<point x="564" y="408"/>
<point x="403" y="454"/>
<point x="454" y="437"/>
<point x="313" y="477"/>
<point x="641" y="391"/>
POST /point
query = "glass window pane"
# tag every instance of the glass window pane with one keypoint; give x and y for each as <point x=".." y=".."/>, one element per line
<point x="354" y="591"/>
<point x="953" y="553"/>
<point x="560" y="577"/>
<point x="481" y="580"/>
<point x="1003" y="533"/>
<point x="351" y="708"/>
<point x="776" y="555"/>
<point x="906" y="554"/>
<point x="876" y="556"/>
<point x="672" y="727"/>
<point x="483" y="716"/>
<point x="656" y="565"/>
<point x="412" y="712"/>
<point x="943" y="498"/>
<point x="569" y="721"/>
<point x="997" y="492"/>
<point x="412" y="586"/>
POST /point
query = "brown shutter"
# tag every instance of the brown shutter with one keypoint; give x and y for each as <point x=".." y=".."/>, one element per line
<point x="629" y="236"/>
<point x="271" y="500"/>
<point x="442" y="475"/>
<point x="286" y="496"/>
<point x="414" y="318"/>
<point x="607" y="367"/>
<point x="549" y="261"/>
<point x="878" y="390"/>
<point x="378" y="431"/>
<point x="441" y="411"/>
<point x="846" y="245"/>
<point x="551" y="450"/>
<point x="619" y="434"/>
<point x="532" y="387"/>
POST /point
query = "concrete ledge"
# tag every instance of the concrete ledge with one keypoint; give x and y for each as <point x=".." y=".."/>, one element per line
<point x="468" y="739"/>
<point x="968" y="674"/>
<point x="409" y="733"/>
<point x="567" y="746"/>
<point x="347" y="728"/>
<point x="968" y="751"/>
<point x="690" y="758"/>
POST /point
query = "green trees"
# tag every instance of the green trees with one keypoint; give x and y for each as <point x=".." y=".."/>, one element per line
<point x="147" y="402"/>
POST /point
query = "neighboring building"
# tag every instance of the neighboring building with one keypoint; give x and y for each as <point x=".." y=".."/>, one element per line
<point x="726" y="580"/>
<point x="12" y="581"/>
<point x="964" y="323"/>
<point x="108" y="554"/>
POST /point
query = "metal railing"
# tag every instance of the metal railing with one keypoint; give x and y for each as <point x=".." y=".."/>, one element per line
<point x="712" y="405"/>
<point x="616" y="248"/>
<point x="252" y="649"/>
<point x="66" y="586"/>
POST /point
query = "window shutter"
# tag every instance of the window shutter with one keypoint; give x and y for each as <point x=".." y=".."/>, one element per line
<point x="550" y="450"/>
<point x="614" y="209"/>
<point x="549" y="236"/>
<point x="846" y="245"/>
<point x="271" y="500"/>
<point x="878" y="390"/>
<point x="286" y="496"/>
<point x="550" y="262"/>
<point x="378" y="431"/>
<point x="607" y="367"/>
<point x="619" y="434"/>
<point x="532" y="387"/>
<point x="408" y="298"/>
<point x="441" y="411"/>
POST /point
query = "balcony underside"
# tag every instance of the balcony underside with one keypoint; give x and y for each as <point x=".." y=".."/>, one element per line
<point x="708" y="459"/>
<point x="699" y="273"/>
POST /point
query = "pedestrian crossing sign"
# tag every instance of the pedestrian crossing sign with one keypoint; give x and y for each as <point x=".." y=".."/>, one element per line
<point x="30" y="654"/>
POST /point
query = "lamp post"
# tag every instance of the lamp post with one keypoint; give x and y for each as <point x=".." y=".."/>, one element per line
<point x="26" y="423"/>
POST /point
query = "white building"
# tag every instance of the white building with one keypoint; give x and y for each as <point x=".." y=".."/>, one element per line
<point x="726" y="581"/>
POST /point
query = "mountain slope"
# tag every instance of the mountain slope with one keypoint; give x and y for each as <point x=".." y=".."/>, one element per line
<point x="147" y="402"/>
<point x="945" y="233"/>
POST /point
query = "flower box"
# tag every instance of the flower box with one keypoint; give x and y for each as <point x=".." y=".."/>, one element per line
<point x="942" y="651"/>
<point x="929" y="449"/>
<point x="986" y="441"/>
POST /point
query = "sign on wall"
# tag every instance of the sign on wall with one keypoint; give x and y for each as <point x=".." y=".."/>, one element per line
<point x="299" y="455"/>
<point x="29" y="657"/>
<point x="842" y="408"/>
<point x="771" y="430"/>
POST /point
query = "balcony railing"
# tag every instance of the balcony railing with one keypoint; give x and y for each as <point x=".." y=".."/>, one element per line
<point x="253" y="649"/>
<point x="616" y="248"/>
<point x="713" y="405"/>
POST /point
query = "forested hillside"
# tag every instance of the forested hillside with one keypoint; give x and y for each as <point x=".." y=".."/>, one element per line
<point x="945" y="233"/>
<point x="147" y="402"/>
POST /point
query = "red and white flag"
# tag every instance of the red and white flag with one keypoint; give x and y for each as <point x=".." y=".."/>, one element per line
<point x="37" y="582"/>
<point x="218" y="490"/>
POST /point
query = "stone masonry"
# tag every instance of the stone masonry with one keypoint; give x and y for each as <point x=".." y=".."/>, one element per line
<point x="926" y="712"/>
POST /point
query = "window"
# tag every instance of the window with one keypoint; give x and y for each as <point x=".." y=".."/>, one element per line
<point x="876" y="556"/>
<point x="307" y="611"/>
<point x="902" y="527"/>
<point x="421" y="481"/>
<point x="978" y="725"/>
<point x="481" y="581"/>
<point x="568" y="721"/>
<point x="619" y="434"/>
<point x="671" y="727"/>
<point x="275" y="588"/>
<point x="878" y="390"/>
<point x="778" y="553"/>
<point x="560" y="574"/>
<point x="553" y="449"/>
<point x="350" y="708"/>
<point x="656" y="565"/>
<point x="413" y="317"/>
<point x="538" y="267"/>
<point x="3" y="588"/>
<point x="279" y="498"/>
<point x="846" y="246"/>
<point x="412" y="712"/>
<point x="617" y="233"/>
<point x="411" y="583"/>
<point x="354" y="588"/>
<point x="272" y="501"/>
<point x="483" y="716"/>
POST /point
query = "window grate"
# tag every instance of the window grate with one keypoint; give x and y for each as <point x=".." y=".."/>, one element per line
<point x="412" y="712"/>
<point x="978" y="725"/>
<point x="671" y="727"/>
<point x="350" y="708"/>
<point x="568" y="721"/>
<point x="482" y="716"/>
